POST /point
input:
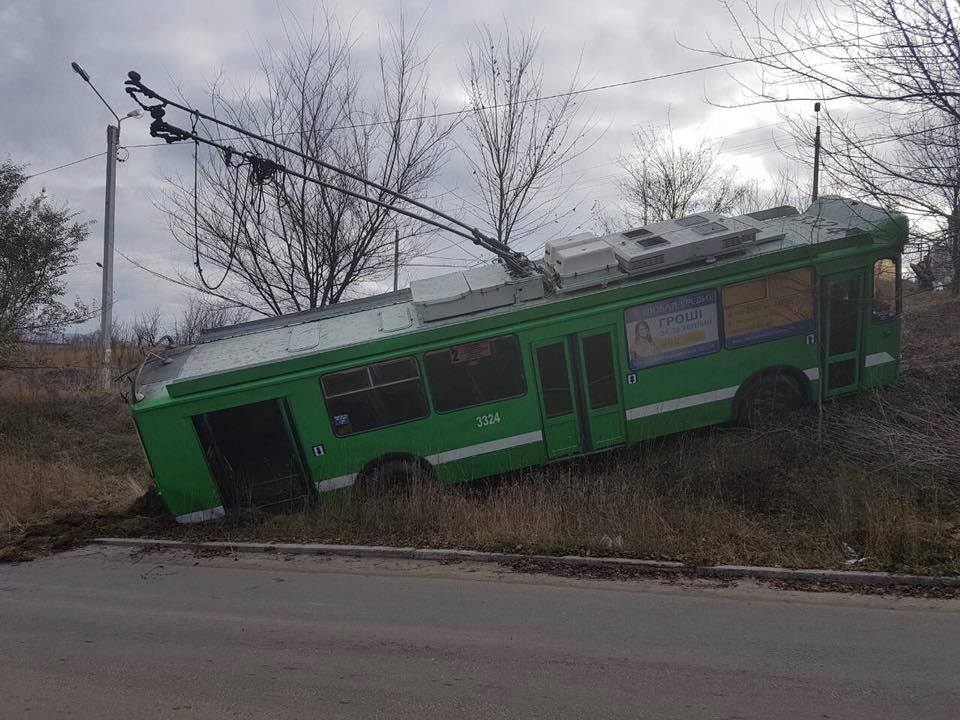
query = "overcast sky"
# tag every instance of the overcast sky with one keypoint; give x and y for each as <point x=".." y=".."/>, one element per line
<point x="50" y="117"/>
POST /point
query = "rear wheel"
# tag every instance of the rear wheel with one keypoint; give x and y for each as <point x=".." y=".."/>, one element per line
<point x="390" y="477"/>
<point x="767" y="400"/>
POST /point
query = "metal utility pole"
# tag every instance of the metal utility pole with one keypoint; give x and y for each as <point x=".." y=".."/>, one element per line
<point x="396" y="257"/>
<point x="109" y="213"/>
<point x="816" y="155"/>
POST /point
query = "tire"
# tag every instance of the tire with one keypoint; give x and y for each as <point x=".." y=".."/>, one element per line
<point x="389" y="477"/>
<point x="768" y="399"/>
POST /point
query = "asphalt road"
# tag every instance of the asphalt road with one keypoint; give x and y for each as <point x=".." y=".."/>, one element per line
<point x="101" y="633"/>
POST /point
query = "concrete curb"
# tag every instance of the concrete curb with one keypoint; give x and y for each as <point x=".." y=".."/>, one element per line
<point x="844" y="577"/>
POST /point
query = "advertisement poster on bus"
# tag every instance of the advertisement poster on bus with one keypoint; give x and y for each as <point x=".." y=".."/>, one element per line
<point x="769" y="308"/>
<point x="670" y="330"/>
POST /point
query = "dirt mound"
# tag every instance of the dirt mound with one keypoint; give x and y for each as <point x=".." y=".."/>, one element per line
<point x="146" y="516"/>
<point x="148" y="505"/>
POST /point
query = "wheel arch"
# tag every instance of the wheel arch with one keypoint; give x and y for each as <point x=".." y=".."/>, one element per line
<point x="392" y="457"/>
<point x="791" y="371"/>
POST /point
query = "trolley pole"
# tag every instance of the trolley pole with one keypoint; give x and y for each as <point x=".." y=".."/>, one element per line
<point x="816" y="154"/>
<point x="396" y="258"/>
<point x="106" y="297"/>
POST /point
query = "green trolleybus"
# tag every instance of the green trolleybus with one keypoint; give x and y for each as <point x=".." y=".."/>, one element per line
<point x="610" y="340"/>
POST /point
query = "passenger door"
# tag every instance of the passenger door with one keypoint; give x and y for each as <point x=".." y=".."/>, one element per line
<point x="580" y="397"/>
<point x="601" y="389"/>
<point x="842" y="303"/>
<point x="561" y="424"/>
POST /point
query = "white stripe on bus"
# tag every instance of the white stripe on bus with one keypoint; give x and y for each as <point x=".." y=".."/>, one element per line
<point x="694" y="400"/>
<point x="199" y="516"/>
<point x="880" y="358"/>
<point x="485" y="447"/>
<point x="343" y="481"/>
<point x="336" y="483"/>
<point x="680" y="403"/>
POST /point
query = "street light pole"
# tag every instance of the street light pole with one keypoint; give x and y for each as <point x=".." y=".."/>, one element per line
<point x="396" y="257"/>
<point x="816" y="155"/>
<point x="109" y="214"/>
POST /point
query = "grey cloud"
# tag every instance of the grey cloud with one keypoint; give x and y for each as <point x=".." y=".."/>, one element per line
<point x="50" y="117"/>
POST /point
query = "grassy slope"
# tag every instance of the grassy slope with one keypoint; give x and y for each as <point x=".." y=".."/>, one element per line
<point x="875" y="476"/>
<point x="64" y="447"/>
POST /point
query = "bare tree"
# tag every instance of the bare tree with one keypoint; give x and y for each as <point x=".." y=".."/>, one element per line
<point x="204" y="314"/>
<point x="149" y="330"/>
<point x="665" y="179"/>
<point x="897" y="64"/>
<point x="273" y="243"/>
<point x="605" y="221"/>
<point x="912" y="164"/>
<point x="869" y="51"/>
<point x="781" y="187"/>
<point x="146" y="330"/>
<point x="519" y="141"/>
<point x="38" y="245"/>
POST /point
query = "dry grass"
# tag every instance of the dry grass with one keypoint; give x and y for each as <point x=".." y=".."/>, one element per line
<point x="64" y="447"/>
<point x="874" y="478"/>
<point x="57" y="487"/>
<point x="82" y="355"/>
<point x="707" y="497"/>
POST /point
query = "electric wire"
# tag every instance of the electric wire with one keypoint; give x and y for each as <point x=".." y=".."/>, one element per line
<point x="66" y="165"/>
<point x="556" y="96"/>
<point x="539" y="98"/>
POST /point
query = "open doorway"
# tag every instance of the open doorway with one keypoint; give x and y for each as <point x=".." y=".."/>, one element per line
<point x="253" y="456"/>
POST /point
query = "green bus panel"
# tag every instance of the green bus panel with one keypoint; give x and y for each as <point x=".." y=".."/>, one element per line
<point x="183" y="478"/>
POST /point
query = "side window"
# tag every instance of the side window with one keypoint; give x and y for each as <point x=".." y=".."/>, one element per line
<point x="886" y="289"/>
<point x="554" y="379"/>
<point x="768" y="308"/>
<point x="671" y="330"/>
<point x="600" y="369"/>
<point x="479" y="372"/>
<point x="374" y="396"/>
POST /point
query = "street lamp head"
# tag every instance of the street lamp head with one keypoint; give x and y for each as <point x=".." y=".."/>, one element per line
<point x="86" y="78"/>
<point x="80" y="71"/>
<point x="133" y="114"/>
